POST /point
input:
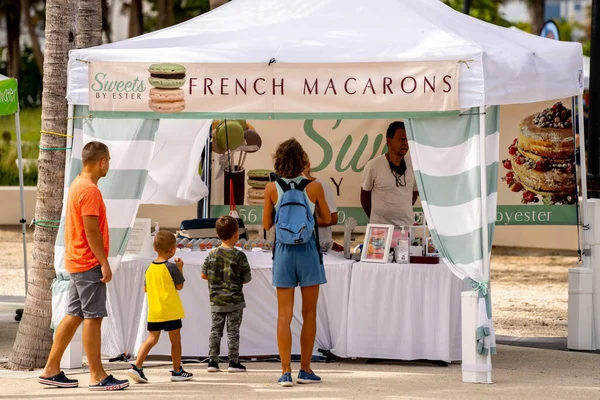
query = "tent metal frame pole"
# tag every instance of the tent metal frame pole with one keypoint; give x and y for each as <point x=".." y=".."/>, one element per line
<point x="70" y="131"/>
<point x="23" y="221"/>
<point x="484" y="213"/>
<point x="584" y="194"/>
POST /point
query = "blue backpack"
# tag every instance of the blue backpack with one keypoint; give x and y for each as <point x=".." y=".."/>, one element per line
<point x="294" y="222"/>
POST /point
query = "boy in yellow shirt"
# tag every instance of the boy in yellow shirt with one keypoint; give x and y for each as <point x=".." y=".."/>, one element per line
<point x="165" y="311"/>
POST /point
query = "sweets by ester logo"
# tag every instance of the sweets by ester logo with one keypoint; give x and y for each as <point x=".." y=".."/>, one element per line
<point x="166" y="96"/>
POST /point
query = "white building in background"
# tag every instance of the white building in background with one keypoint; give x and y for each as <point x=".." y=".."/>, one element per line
<point x="567" y="10"/>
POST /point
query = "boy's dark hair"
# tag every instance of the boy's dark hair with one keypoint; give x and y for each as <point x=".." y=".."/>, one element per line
<point x="164" y="241"/>
<point x="394" y="126"/>
<point x="226" y="226"/>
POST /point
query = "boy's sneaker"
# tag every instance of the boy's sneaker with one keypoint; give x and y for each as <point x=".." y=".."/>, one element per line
<point x="213" y="366"/>
<point x="236" y="367"/>
<point x="286" y="380"/>
<point x="137" y="374"/>
<point x="305" y="377"/>
<point x="181" y="375"/>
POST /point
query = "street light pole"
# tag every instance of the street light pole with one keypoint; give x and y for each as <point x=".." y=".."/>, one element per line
<point x="593" y="132"/>
<point x="467" y="7"/>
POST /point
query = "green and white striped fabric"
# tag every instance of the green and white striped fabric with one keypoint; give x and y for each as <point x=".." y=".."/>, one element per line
<point x="446" y="158"/>
<point x="131" y="144"/>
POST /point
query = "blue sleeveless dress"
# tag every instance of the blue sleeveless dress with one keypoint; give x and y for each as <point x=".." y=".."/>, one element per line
<point x="297" y="264"/>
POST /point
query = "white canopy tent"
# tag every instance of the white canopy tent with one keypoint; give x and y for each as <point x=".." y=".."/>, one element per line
<point x="497" y="66"/>
<point x="503" y="66"/>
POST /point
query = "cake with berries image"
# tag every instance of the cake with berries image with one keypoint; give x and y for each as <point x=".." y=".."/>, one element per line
<point x="541" y="163"/>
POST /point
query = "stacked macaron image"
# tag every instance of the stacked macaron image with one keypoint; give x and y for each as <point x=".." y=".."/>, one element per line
<point x="166" y="96"/>
<point x="257" y="181"/>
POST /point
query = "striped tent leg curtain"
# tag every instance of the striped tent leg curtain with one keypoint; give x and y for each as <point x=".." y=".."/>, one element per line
<point x="131" y="144"/>
<point x="446" y="157"/>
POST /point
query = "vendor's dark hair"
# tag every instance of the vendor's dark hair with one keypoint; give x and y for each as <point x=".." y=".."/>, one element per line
<point x="290" y="159"/>
<point x="394" y="126"/>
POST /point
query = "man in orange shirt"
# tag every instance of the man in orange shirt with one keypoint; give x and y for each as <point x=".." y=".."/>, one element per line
<point x="86" y="260"/>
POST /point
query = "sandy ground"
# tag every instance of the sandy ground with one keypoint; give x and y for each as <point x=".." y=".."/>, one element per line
<point x="529" y="288"/>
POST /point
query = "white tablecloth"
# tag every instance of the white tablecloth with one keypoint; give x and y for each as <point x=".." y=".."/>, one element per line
<point x="407" y="312"/>
<point x="125" y="328"/>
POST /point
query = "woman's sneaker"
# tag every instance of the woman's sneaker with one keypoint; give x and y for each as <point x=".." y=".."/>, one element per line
<point x="137" y="374"/>
<point x="306" y="377"/>
<point x="236" y="367"/>
<point x="181" y="375"/>
<point x="286" y="380"/>
<point x="213" y="366"/>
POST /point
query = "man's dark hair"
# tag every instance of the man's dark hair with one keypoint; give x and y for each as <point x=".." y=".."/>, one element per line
<point x="93" y="152"/>
<point x="226" y="226"/>
<point x="394" y="126"/>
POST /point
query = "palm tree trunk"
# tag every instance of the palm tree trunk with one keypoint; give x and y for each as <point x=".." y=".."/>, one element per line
<point x="12" y="10"/>
<point x="89" y="23"/>
<point x="136" y="18"/>
<point x="216" y="3"/>
<point x="106" y="23"/>
<point x="35" y="43"/>
<point x="166" y="16"/>
<point x="34" y="337"/>
<point x="536" y="13"/>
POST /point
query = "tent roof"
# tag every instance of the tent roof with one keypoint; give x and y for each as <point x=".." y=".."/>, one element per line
<point x="504" y="66"/>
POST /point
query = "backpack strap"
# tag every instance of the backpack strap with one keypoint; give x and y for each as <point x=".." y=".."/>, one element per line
<point x="288" y="186"/>
<point x="317" y="238"/>
<point x="283" y="185"/>
<point x="302" y="184"/>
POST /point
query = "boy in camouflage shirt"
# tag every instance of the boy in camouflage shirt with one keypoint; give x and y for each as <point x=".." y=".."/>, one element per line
<point x="226" y="270"/>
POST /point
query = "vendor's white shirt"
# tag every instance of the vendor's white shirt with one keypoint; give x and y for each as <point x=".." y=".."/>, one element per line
<point x="390" y="204"/>
<point x="325" y="235"/>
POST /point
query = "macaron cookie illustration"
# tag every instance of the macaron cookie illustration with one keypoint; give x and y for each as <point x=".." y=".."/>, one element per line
<point x="257" y="180"/>
<point x="166" y="96"/>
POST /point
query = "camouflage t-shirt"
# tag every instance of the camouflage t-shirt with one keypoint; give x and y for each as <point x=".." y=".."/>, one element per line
<point x="227" y="271"/>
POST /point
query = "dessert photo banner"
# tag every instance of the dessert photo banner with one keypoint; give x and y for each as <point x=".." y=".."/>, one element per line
<point x="179" y="90"/>
<point x="537" y="176"/>
<point x="339" y="149"/>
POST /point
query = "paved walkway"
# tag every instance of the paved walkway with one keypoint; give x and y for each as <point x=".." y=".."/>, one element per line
<point x="519" y="373"/>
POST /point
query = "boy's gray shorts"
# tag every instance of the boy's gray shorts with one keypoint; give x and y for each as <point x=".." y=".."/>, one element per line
<point x="87" y="295"/>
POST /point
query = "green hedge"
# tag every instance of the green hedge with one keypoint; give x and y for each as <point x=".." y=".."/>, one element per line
<point x="9" y="172"/>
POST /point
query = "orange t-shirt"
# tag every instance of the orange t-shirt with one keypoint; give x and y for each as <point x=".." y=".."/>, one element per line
<point x="84" y="199"/>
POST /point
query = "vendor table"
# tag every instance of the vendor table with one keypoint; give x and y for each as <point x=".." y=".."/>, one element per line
<point x="125" y="328"/>
<point x="404" y="311"/>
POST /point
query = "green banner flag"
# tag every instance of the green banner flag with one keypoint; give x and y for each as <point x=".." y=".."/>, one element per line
<point x="9" y="99"/>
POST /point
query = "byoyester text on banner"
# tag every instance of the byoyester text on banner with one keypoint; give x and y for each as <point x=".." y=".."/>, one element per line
<point x="279" y="88"/>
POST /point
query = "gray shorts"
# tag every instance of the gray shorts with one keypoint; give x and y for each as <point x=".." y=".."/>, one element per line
<point x="87" y="295"/>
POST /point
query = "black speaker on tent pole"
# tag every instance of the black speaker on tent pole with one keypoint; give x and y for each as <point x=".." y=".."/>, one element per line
<point x="203" y="208"/>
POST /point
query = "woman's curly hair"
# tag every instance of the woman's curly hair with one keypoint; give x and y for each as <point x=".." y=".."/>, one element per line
<point x="290" y="159"/>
